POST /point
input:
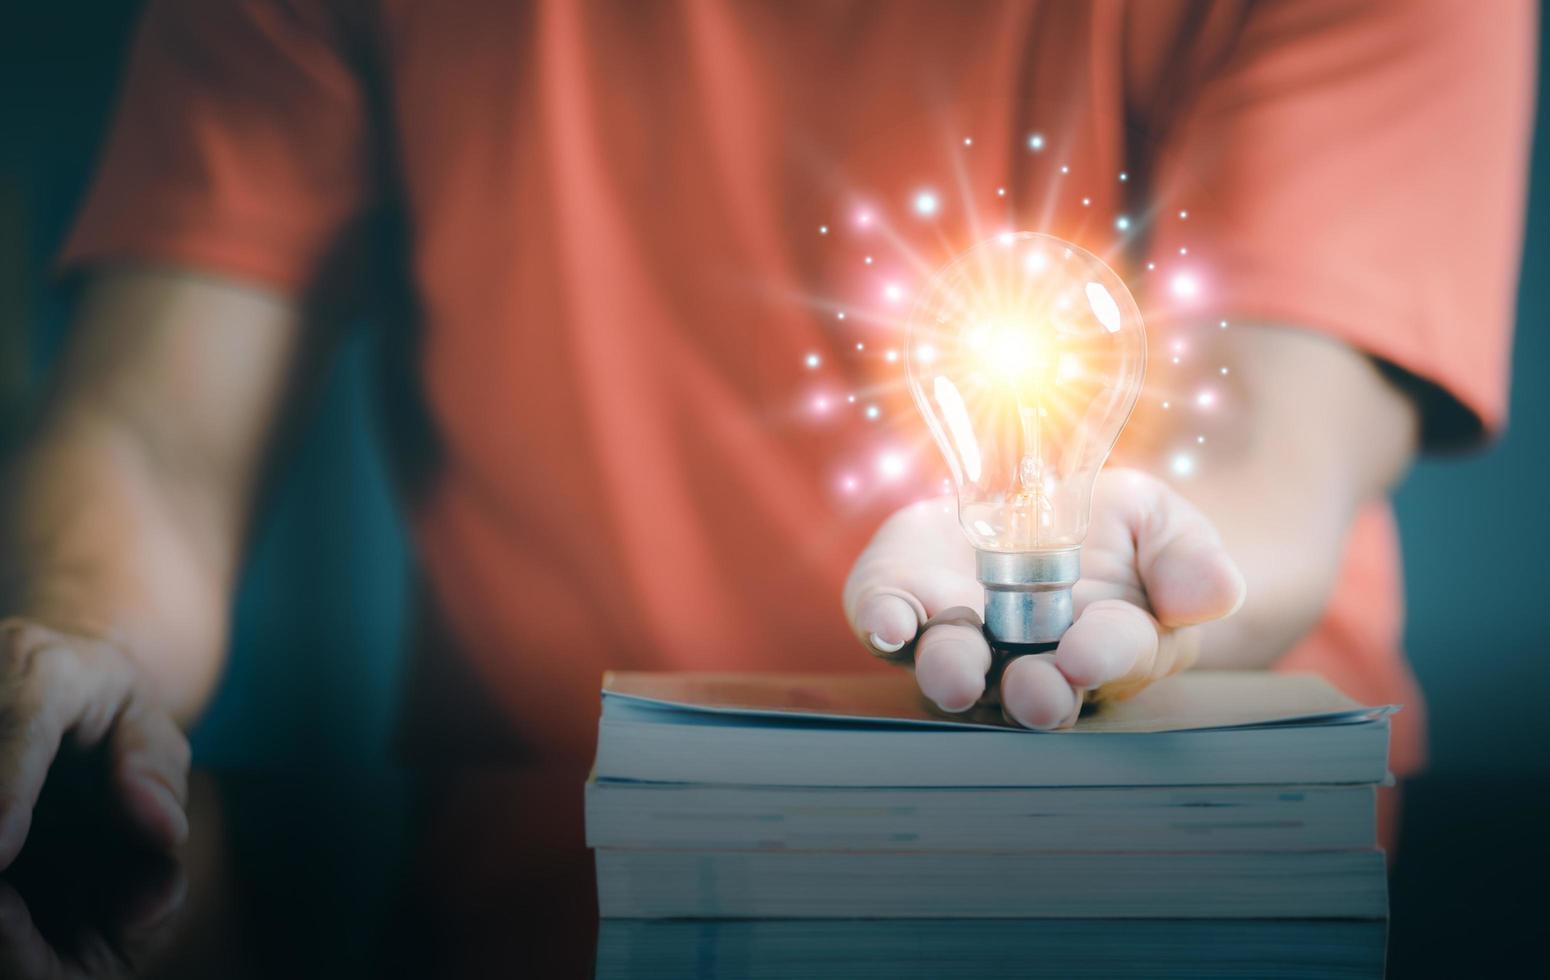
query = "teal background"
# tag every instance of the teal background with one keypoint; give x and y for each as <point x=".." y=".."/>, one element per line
<point x="319" y="644"/>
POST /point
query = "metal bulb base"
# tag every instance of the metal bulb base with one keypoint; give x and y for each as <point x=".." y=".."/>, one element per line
<point x="1028" y="594"/>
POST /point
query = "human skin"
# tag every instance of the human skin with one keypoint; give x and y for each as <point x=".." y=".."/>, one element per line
<point x="1227" y="568"/>
<point x="125" y="517"/>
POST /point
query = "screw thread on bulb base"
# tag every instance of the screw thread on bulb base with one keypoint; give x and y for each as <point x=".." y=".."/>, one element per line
<point x="1028" y="594"/>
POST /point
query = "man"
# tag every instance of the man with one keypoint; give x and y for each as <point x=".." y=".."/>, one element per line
<point x="587" y="191"/>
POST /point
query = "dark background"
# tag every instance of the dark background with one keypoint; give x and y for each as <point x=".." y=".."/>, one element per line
<point x="319" y="641"/>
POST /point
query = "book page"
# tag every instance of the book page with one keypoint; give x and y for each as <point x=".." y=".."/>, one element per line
<point x="1189" y="701"/>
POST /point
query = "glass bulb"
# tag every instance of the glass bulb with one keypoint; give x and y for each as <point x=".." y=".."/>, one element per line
<point x="1026" y="355"/>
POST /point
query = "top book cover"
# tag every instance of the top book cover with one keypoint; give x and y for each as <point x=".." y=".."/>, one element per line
<point x="1191" y="701"/>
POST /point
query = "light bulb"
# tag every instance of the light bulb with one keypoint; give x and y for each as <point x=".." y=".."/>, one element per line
<point x="1037" y="354"/>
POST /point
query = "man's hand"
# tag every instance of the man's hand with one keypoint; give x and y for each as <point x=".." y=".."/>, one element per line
<point x="58" y="689"/>
<point x="1153" y="570"/>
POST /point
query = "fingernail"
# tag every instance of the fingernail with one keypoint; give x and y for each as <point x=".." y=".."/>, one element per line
<point x="168" y="819"/>
<point x="882" y="645"/>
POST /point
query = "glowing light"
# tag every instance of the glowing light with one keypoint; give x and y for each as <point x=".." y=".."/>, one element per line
<point x="848" y="483"/>
<point x="1185" y="286"/>
<point x="840" y="315"/>
<point x="968" y="141"/>
<point x="869" y="260"/>
<point x="956" y="414"/>
<point x="1007" y="238"/>
<point x="1206" y="399"/>
<point x="851" y="399"/>
<point x="1123" y="176"/>
<point x="984" y="528"/>
<point x="925" y="353"/>
<point x="1201" y="440"/>
<point x="1035" y="261"/>
<point x="813" y="361"/>
<point x="891" y="465"/>
<point x="860" y="345"/>
<point x="1122" y="223"/>
<point x="1001" y="192"/>
<point x="1183" y="215"/>
<point x="1064" y="169"/>
<point x="1224" y="371"/>
<point x="1167" y="405"/>
<point x="893" y="292"/>
<point x="1183" y="251"/>
<point x="872" y="412"/>
<point x="1036" y="142"/>
<point x="1182" y="465"/>
<point x="1223" y="325"/>
<point x="1150" y="266"/>
<point x="1087" y="202"/>
<point x="820" y="405"/>
<point x="864" y="218"/>
<point x="1175" y="359"/>
<point x="1103" y="306"/>
<point x="926" y="203"/>
<point x="823" y="229"/>
<point x="891" y="356"/>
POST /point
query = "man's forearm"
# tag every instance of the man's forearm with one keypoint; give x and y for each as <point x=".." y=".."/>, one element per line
<point x="95" y="544"/>
<point x="1305" y="432"/>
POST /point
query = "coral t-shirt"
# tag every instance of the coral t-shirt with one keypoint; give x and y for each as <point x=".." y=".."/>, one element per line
<point x="629" y="230"/>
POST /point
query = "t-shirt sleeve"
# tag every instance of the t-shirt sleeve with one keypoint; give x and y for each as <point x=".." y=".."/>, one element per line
<point x="1359" y="169"/>
<point x="240" y="145"/>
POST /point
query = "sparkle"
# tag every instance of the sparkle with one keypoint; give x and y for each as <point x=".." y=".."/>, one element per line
<point x="1150" y="266"/>
<point x="1122" y="223"/>
<point x="1167" y="405"/>
<point x="1224" y="371"/>
<point x="1182" y="465"/>
<point x="859" y="346"/>
<point x="1185" y="286"/>
<point x="863" y="218"/>
<point x="1183" y="251"/>
<point x="820" y="405"/>
<point x="848" y="483"/>
<point x="840" y="315"/>
<point x="925" y="353"/>
<point x="813" y="360"/>
<point x="1123" y="176"/>
<point x="1183" y="215"/>
<point x="967" y="141"/>
<point x="869" y="260"/>
<point x="1064" y="169"/>
<point x="893" y="292"/>
<point x="926" y="203"/>
<point x="1006" y="237"/>
<point x="891" y="356"/>
<point x="1036" y="142"/>
<point x="872" y="412"/>
<point x="891" y="466"/>
<point x="1205" y="399"/>
<point x="1223" y="325"/>
<point x="1200" y="440"/>
<point x="1001" y="192"/>
<point x="1175" y="360"/>
<point x="1087" y="202"/>
<point x="823" y="229"/>
<point x="851" y="399"/>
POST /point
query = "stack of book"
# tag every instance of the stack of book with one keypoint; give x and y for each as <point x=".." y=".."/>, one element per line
<point x="1208" y="796"/>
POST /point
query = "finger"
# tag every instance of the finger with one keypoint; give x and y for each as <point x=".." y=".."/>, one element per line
<point x="952" y="659"/>
<point x="23" y="950"/>
<point x="894" y="600"/>
<point x="150" y="773"/>
<point x="1186" y="572"/>
<point x="49" y="691"/>
<point x="1111" y="640"/>
<point x="1035" y="694"/>
<point x="1176" y="650"/>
